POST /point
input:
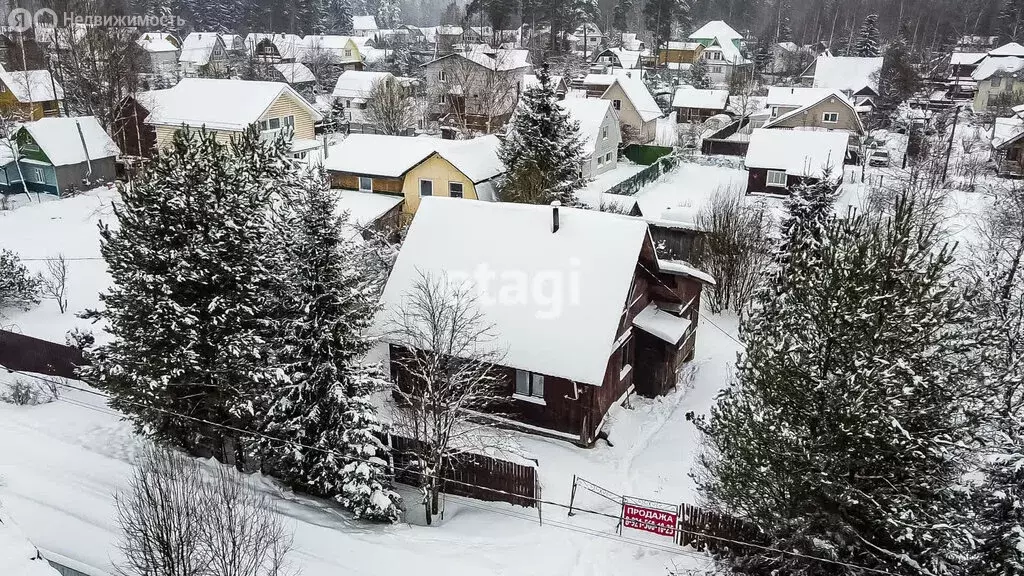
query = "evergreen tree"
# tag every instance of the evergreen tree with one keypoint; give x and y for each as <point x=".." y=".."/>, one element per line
<point x="499" y="12"/>
<point x="339" y="17"/>
<point x="18" y="287"/>
<point x="543" y="151"/>
<point x="783" y="26"/>
<point x="763" y="59"/>
<point x="809" y="209"/>
<point x="1010" y="20"/>
<point x="842" y="436"/>
<point x="699" y="75"/>
<point x="366" y="484"/>
<point x="620" y="15"/>
<point x="187" y="306"/>
<point x="867" y="41"/>
<point x="1000" y="538"/>
<point x="389" y="14"/>
<point x="661" y="15"/>
<point x="325" y="306"/>
<point x="898" y="80"/>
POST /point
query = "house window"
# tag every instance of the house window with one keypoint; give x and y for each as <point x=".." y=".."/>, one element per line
<point x="604" y="133"/>
<point x="830" y="117"/>
<point x="529" y="385"/>
<point x="1009" y="83"/>
<point x="34" y="174"/>
<point x="600" y="160"/>
<point x="426" y="187"/>
<point x="715" y="69"/>
<point x="995" y="81"/>
<point x="777" y="178"/>
<point x="442" y="76"/>
<point x="617" y="104"/>
<point x="348" y="53"/>
<point x="608" y="157"/>
<point x="626" y="355"/>
<point x="289" y="121"/>
<point x="455" y="189"/>
<point x="365" y="184"/>
<point x="273" y="123"/>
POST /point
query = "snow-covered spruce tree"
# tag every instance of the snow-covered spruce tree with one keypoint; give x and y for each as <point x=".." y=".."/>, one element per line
<point x="842" y="436"/>
<point x="867" y="40"/>
<point x="324" y="309"/>
<point x="699" y="75"/>
<point x="18" y="287"/>
<point x="543" y="151"/>
<point x="808" y="210"/>
<point x="187" y="306"/>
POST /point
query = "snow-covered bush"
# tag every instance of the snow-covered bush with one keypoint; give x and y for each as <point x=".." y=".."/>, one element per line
<point x="18" y="287"/>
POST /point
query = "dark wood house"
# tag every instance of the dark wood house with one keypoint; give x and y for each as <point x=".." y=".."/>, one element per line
<point x="778" y="159"/>
<point x="580" y="304"/>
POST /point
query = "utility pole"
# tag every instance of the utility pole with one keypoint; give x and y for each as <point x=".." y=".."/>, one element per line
<point x="949" y="149"/>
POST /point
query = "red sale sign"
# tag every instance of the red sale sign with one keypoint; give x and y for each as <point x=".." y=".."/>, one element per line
<point x="648" y="519"/>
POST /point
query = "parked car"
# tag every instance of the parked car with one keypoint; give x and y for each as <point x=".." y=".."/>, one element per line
<point x="879" y="157"/>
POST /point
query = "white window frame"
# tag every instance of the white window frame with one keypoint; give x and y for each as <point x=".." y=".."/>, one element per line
<point x="442" y="76"/>
<point x="774" y="182"/>
<point x="461" y="192"/>
<point x="533" y="391"/>
<point x="600" y="160"/>
<point x="604" y="133"/>
<point x="429" y="181"/>
<point x="369" y="181"/>
<point x="716" y="69"/>
<point x="826" y="115"/>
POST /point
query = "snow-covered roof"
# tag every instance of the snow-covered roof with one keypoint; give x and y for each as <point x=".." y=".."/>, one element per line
<point x="599" y="79"/>
<point x="60" y="140"/>
<point x="966" y="58"/>
<point x="628" y="58"/>
<point x="364" y="23"/>
<point x="500" y="60"/>
<point x="232" y="40"/>
<point x="1010" y="49"/>
<point x="630" y="41"/>
<point x="661" y="324"/>
<point x="590" y="113"/>
<point x="1002" y="65"/>
<point x="358" y="83"/>
<point x="716" y="29"/>
<point x="684" y="268"/>
<point x="289" y="46"/>
<point x="154" y="42"/>
<point x="847" y="72"/>
<point x="676" y="45"/>
<point x="689" y="97"/>
<point x="227" y="104"/>
<point x="330" y="47"/>
<point x="787" y="96"/>
<point x="788" y="46"/>
<point x="730" y="53"/>
<point x="197" y="47"/>
<point x="1006" y="130"/>
<point x="531" y="81"/>
<point x="364" y="208"/>
<point x="295" y="72"/>
<point x="32" y="85"/>
<point x="637" y="92"/>
<point x="599" y="250"/>
<point x="798" y="152"/>
<point x="17" y="555"/>
<point x="392" y="156"/>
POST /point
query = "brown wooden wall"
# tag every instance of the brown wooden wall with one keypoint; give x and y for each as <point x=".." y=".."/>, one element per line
<point x="133" y="136"/>
<point x="350" y="181"/>
<point x="28" y="354"/>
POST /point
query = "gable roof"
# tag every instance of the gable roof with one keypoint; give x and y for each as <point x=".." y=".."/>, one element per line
<point x="295" y="72"/>
<point x="289" y="46"/>
<point x="966" y="58"/>
<point x="730" y="53"/>
<point x="716" y="29"/>
<point x="590" y="113"/>
<point x="627" y="58"/>
<point x="330" y="47"/>
<point x="847" y="72"/>
<point x="32" y="85"/>
<point x="531" y="81"/>
<point x="154" y="42"/>
<point x="637" y="92"/>
<point x="838" y="96"/>
<point x="60" y="140"/>
<point x="227" y="104"/>
<point x="364" y="23"/>
<point x="392" y="156"/>
<point x="676" y="45"/>
<point x="1006" y="131"/>
<point x="599" y="249"/>
<point x="690" y="97"/>
<point x="357" y="83"/>
<point x="795" y="96"/>
<point x="992" y="66"/>
<point x="197" y="48"/>
<point x="798" y="152"/>
<point x="1009" y="49"/>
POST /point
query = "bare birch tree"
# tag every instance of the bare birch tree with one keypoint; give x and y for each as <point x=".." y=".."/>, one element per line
<point x="54" y="281"/>
<point x="389" y="108"/>
<point x="448" y="378"/>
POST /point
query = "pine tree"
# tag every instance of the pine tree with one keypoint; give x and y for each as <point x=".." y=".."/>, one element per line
<point x="842" y="436"/>
<point x="620" y="15"/>
<point x="809" y="209"/>
<point x="18" y="287"/>
<point x="898" y="79"/>
<point x="867" y="41"/>
<point x="389" y="14"/>
<point x="699" y="75"/>
<point x="366" y="484"/>
<point x="338" y="19"/>
<point x="661" y="15"/>
<point x="325" y="306"/>
<point x="1010" y="19"/>
<point x="783" y="28"/>
<point x="543" y="151"/>
<point x="187" y="306"/>
<point x="763" y="59"/>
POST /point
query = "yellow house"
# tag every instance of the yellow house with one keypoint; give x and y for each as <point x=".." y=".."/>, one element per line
<point x="413" y="168"/>
<point x="226" y="107"/>
<point x="29" y="95"/>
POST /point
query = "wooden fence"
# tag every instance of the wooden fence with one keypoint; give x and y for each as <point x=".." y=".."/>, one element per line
<point x="707" y="530"/>
<point x="473" y="475"/>
<point x="28" y="354"/>
<point x="630" y="186"/>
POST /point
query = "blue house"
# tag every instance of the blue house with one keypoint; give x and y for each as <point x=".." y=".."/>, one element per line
<point x="55" y="155"/>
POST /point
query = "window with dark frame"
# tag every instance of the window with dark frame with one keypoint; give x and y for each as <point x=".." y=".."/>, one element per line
<point x="529" y="384"/>
<point x="626" y="356"/>
<point x="426" y="187"/>
<point x="455" y="189"/>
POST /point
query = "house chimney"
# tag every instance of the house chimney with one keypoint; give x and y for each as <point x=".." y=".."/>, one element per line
<point x="554" y="216"/>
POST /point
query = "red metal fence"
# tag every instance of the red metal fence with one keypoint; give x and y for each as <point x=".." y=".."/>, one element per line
<point x="28" y="354"/>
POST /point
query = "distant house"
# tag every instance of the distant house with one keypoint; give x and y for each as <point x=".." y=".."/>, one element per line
<point x="203" y="53"/>
<point x="855" y="76"/>
<point x="784" y="99"/>
<point x="970" y="43"/>
<point x="161" y="50"/>
<point x="631" y="42"/>
<point x="961" y="71"/>
<point x="1000" y="78"/>
<point x="226" y="107"/>
<point x="30" y="95"/>
<point x="365" y="26"/>
<point x="636" y="108"/>
<point x="833" y="111"/>
<point x="353" y="89"/>
<point x="599" y="127"/>
<point x="695" y="106"/>
<point x="275" y="47"/>
<point x="721" y="50"/>
<point x="620" y="58"/>
<point x="295" y="74"/>
<point x="677" y="53"/>
<point x="233" y="43"/>
<point x="57" y="155"/>
<point x="341" y="51"/>
<point x="778" y="160"/>
<point x="368" y="213"/>
<point x="413" y="168"/>
<point x="1008" y="144"/>
<point x="557" y="82"/>
<point x="478" y="89"/>
<point x="632" y="327"/>
<point x="586" y="39"/>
